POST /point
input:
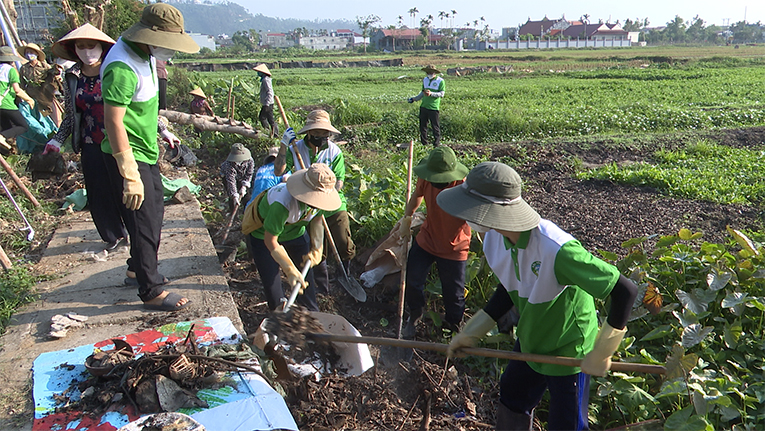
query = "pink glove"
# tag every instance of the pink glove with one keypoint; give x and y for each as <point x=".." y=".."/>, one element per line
<point x="170" y="138"/>
<point x="53" y="146"/>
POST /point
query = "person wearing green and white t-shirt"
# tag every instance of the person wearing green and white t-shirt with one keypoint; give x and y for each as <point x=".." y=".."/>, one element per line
<point x="130" y="91"/>
<point x="552" y="281"/>
<point x="11" y="121"/>
<point x="433" y="89"/>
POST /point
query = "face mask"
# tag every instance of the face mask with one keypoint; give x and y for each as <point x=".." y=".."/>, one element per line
<point x="162" y="54"/>
<point x="90" y="56"/>
<point x="317" y="141"/>
<point x="31" y="57"/>
<point x="431" y="75"/>
<point x="477" y="227"/>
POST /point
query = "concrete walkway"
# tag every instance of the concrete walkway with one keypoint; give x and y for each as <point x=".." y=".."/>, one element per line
<point x="94" y="288"/>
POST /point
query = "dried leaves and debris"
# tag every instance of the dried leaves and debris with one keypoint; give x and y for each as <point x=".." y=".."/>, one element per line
<point x="154" y="382"/>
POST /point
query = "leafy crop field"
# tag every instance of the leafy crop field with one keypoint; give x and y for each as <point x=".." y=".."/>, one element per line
<point x="370" y="103"/>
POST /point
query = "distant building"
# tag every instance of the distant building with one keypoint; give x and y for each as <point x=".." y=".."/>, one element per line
<point x="326" y="42"/>
<point x="392" y="39"/>
<point x="543" y="27"/>
<point x="277" y="40"/>
<point x="203" y="40"/>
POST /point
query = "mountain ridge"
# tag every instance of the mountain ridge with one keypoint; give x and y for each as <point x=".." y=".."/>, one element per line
<point x="230" y="17"/>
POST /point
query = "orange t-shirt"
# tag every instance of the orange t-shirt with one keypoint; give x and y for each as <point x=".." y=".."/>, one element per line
<point x="441" y="234"/>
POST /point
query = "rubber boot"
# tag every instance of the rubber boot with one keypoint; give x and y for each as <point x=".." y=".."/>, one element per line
<point x="508" y="420"/>
<point x="410" y="329"/>
<point x="321" y="278"/>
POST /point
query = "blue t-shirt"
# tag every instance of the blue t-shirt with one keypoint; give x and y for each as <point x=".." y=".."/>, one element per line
<point x="264" y="180"/>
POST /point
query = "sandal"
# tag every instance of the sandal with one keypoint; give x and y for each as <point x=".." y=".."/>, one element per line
<point x="168" y="303"/>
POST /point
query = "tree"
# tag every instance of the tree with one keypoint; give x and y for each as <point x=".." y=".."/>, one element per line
<point x="696" y="32"/>
<point x="243" y="40"/>
<point x="413" y="13"/>
<point x="365" y="24"/>
<point x="442" y="14"/>
<point x="119" y="15"/>
<point x="746" y="33"/>
<point x="454" y="13"/>
<point x="585" y="20"/>
<point x="675" y="30"/>
<point x="425" y="28"/>
<point x="401" y="21"/>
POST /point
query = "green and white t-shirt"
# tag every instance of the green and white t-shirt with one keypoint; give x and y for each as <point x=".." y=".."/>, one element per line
<point x="8" y="76"/>
<point x="435" y="85"/>
<point x="329" y="154"/>
<point x="283" y="215"/>
<point x="552" y="280"/>
<point x="129" y="80"/>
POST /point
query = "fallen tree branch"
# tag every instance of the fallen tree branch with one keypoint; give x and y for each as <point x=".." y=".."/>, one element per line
<point x="213" y="124"/>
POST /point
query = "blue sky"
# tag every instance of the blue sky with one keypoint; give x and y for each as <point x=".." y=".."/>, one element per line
<point x="509" y="13"/>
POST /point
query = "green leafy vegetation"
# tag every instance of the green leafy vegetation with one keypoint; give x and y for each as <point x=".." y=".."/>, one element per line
<point x="703" y="171"/>
<point x="16" y="289"/>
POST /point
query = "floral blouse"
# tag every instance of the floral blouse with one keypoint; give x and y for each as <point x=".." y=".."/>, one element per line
<point x="90" y="103"/>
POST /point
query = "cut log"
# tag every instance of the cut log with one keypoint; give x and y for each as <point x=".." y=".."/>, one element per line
<point x="213" y="124"/>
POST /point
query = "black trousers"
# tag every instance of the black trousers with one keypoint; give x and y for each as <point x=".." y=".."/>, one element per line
<point x="144" y="226"/>
<point x="452" y="275"/>
<point x="266" y="118"/>
<point x="340" y="227"/>
<point x="162" y="84"/>
<point x="270" y="274"/>
<point x="12" y="123"/>
<point x="521" y="389"/>
<point x="102" y="202"/>
<point x="430" y="116"/>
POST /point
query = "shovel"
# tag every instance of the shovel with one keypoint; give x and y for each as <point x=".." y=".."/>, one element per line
<point x="488" y="353"/>
<point x="349" y="284"/>
<point x="280" y="362"/>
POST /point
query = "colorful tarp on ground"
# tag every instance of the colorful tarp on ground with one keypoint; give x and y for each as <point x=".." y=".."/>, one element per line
<point x="249" y="403"/>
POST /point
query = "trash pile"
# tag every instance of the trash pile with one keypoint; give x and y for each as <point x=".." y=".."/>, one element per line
<point x="162" y="381"/>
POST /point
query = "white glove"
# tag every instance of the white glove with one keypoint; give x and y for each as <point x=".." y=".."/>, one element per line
<point x="288" y="136"/>
<point x="53" y="146"/>
<point x="475" y="329"/>
<point x="170" y="138"/>
<point x="405" y="227"/>
<point x="598" y="361"/>
<point x="243" y="191"/>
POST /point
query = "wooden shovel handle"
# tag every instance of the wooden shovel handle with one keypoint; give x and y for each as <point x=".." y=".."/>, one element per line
<point x="488" y="353"/>
<point x="281" y="110"/>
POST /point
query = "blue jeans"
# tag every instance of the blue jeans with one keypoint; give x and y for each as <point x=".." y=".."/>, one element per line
<point x="521" y="389"/>
<point x="270" y="272"/>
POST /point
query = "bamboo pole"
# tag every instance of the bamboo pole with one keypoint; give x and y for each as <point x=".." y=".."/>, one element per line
<point x="4" y="261"/>
<point x="402" y="280"/>
<point x="18" y="182"/>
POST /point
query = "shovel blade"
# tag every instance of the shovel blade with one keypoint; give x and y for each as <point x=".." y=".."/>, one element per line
<point x="353" y="287"/>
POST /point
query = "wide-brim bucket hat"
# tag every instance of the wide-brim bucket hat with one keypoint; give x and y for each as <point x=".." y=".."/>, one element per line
<point x="271" y="155"/>
<point x="491" y="197"/>
<point x="198" y="92"/>
<point x="64" y="47"/>
<point x="34" y="47"/>
<point x="441" y="166"/>
<point x="318" y="119"/>
<point x="161" y="25"/>
<point x="430" y="69"/>
<point x="238" y="153"/>
<point x="315" y="186"/>
<point x="7" y="54"/>
<point x="262" y="68"/>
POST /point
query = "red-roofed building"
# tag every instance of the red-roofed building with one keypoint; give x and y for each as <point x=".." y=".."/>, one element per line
<point x="392" y="39"/>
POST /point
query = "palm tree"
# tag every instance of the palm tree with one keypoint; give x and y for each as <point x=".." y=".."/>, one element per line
<point x="441" y="15"/>
<point x="413" y="13"/>
<point x="400" y="21"/>
<point x="585" y="19"/>
<point x="454" y="12"/>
